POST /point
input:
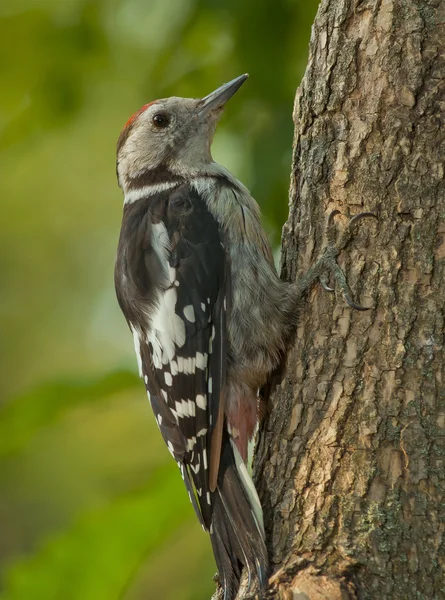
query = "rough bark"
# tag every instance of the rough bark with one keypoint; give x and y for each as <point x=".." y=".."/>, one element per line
<point x="350" y="460"/>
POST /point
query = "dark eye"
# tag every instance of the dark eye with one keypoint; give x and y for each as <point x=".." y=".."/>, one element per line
<point x="161" y="120"/>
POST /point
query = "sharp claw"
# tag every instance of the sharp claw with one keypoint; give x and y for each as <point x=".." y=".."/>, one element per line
<point x="353" y="304"/>
<point x="325" y="286"/>
<point x="335" y="249"/>
<point x="362" y="215"/>
<point x="332" y="215"/>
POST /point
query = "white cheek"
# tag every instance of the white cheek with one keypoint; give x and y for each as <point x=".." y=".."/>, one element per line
<point x="142" y="151"/>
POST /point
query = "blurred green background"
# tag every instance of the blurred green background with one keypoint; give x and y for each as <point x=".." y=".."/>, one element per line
<point x="91" y="504"/>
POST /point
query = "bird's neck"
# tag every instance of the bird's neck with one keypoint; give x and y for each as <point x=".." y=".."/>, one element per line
<point x="164" y="177"/>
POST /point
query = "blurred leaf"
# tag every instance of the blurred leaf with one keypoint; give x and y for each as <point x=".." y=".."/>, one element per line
<point x="78" y="69"/>
<point x="50" y="84"/>
<point x="187" y="553"/>
<point x="96" y="559"/>
<point x="24" y="415"/>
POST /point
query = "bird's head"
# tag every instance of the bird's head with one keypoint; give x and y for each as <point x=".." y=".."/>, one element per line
<point x="173" y="134"/>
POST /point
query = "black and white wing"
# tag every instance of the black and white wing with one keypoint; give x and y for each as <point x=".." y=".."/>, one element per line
<point x="172" y="282"/>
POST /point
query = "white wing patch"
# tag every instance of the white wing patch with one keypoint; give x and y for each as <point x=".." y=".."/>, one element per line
<point x="167" y="329"/>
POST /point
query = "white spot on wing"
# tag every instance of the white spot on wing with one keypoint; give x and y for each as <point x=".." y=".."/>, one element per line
<point x="178" y="406"/>
<point x="203" y="306"/>
<point x="192" y="408"/>
<point x="201" y="401"/>
<point x="189" y="313"/>
<point x="168" y="378"/>
<point x="185" y="408"/>
<point x="201" y="360"/>
<point x="170" y="447"/>
<point x="191" y="443"/>
<point x="189" y="366"/>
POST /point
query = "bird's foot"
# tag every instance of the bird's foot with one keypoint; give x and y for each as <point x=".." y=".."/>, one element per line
<point x="328" y="261"/>
<point x="327" y="264"/>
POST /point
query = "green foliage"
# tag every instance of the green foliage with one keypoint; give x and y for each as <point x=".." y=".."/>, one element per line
<point x="24" y="415"/>
<point x="91" y="505"/>
<point x="94" y="559"/>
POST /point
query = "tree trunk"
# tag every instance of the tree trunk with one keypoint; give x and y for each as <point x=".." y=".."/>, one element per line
<point x="350" y="464"/>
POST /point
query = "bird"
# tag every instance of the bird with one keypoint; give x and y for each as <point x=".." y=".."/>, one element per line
<point x="210" y="317"/>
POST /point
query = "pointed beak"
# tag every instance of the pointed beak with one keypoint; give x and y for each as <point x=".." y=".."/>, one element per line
<point x="217" y="99"/>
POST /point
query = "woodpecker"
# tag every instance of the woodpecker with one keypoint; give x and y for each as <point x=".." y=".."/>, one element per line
<point x="210" y="317"/>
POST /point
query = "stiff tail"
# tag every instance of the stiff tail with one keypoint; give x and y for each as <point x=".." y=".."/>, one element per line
<point x="237" y="530"/>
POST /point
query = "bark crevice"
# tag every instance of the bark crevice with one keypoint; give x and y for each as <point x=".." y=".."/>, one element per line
<point x="350" y="459"/>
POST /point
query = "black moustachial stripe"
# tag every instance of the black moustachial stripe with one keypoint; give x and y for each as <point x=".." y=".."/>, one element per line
<point x="159" y="174"/>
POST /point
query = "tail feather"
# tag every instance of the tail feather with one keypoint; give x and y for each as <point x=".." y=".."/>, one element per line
<point x="237" y="531"/>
